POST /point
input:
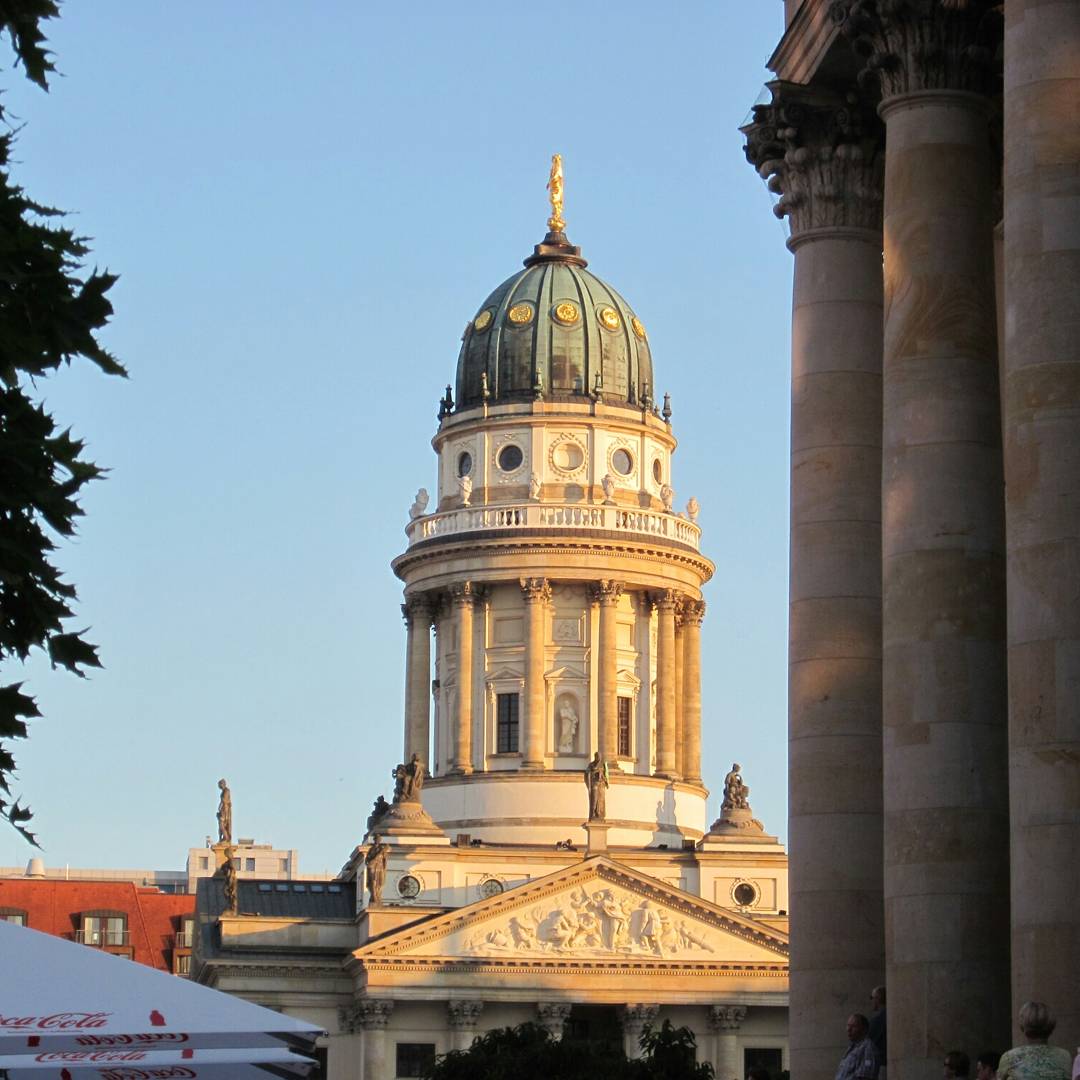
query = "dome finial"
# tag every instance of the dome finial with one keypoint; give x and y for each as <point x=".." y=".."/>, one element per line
<point x="555" y="194"/>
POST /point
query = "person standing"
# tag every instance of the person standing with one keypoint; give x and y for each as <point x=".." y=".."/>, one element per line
<point x="1036" y="1060"/>
<point x="986" y="1065"/>
<point x="878" y="1034"/>
<point x="861" y="1061"/>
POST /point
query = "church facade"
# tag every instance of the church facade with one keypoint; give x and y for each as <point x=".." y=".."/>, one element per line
<point x="547" y="855"/>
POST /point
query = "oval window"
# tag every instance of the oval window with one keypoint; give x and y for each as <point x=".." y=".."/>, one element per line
<point x="464" y="463"/>
<point x="744" y="894"/>
<point x="567" y="457"/>
<point x="622" y="462"/>
<point x="408" y="887"/>
<point x="657" y="470"/>
<point x="510" y="457"/>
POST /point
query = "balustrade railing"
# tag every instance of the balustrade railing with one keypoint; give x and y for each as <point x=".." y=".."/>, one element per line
<point x="569" y="516"/>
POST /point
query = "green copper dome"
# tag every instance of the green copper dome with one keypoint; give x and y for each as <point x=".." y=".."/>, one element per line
<point x="554" y="330"/>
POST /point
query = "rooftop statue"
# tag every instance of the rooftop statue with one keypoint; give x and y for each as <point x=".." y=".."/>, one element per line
<point x="555" y="194"/>
<point x="228" y="870"/>
<point x="224" y="814"/>
<point x="736" y="793"/>
<point x="596" y="779"/>
<point x="375" y="867"/>
<point x="408" y="780"/>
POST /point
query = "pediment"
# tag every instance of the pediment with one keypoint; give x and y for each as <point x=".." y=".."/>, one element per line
<point x="596" y="910"/>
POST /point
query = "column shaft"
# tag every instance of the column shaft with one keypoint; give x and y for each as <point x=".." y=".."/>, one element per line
<point x="537" y="593"/>
<point x="680" y="690"/>
<point x="665" y="689"/>
<point x="693" y="613"/>
<point x="418" y="613"/>
<point x="945" y="778"/>
<point x="725" y="1021"/>
<point x="464" y="597"/>
<point x="1041" y="407"/>
<point x="606" y="594"/>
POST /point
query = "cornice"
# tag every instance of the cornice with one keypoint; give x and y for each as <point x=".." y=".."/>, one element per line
<point x="805" y="43"/>
<point x="569" y="966"/>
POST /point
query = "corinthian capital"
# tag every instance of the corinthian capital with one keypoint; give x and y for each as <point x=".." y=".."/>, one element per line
<point x="417" y="609"/>
<point x="726" y="1017"/>
<point x="536" y="590"/>
<point x="465" y="592"/>
<point x="822" y="153"/>
<point x="605" y="592"/>
<point x="693" y="612"/>
<point x="910" y="45"/>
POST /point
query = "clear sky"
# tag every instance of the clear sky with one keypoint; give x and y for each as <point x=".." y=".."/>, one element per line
<point x="306" y="203"/>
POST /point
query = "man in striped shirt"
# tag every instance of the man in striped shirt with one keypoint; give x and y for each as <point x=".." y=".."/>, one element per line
<point x="861" y="1062"/>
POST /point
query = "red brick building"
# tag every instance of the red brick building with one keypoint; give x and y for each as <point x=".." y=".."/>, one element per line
<point x="143" y="924"/>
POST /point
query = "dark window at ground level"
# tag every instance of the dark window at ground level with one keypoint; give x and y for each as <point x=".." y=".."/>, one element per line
<point x="763" y="1058"/>
<point x="414" y="1059"/>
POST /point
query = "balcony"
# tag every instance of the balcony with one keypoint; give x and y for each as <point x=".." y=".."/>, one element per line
<point x="573" y="518"/>
<point x="102" y="938"/>
<point x="183" y="939"/>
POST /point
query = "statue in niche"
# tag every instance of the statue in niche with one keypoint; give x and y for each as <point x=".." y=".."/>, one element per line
<point x="534" y="487"/>
<point x="465" y="487"/>
<point x="736" y="793"/>
<point x="408" y="780"/>
<point x="224" y="813"/>
<point x="375" y="870"/>
<point x="419" y="504"/>
<point x="596" y="779"/>
<point x="568" y="725"/>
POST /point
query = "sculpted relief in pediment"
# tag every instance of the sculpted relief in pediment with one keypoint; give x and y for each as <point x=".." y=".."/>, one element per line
<point x="592" y="921"/>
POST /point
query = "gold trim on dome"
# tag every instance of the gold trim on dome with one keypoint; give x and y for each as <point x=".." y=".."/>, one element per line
<point x="609" y="318"/>
<point x="483" y="320"/>
<point x="635" y="322"/>
<point x="567" y="313"/>
<point x="520" y="314"/>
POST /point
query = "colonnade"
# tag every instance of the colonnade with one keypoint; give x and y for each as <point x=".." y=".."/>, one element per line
<point x="903" y="538"/>
<point x="677" y="721"/>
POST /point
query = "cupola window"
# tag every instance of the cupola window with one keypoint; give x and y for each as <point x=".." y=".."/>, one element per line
<point x="510" y="458"/>
<point x="464" y="463"/>
<point x="622" y="461"/>
<point x="657" y="471"/>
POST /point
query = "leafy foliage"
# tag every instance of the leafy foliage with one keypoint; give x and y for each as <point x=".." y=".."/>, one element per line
<point x="48" y="314"/>
<point x="528" y="1052"/>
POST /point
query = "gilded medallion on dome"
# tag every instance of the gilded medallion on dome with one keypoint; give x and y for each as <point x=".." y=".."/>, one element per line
<point x="566" y="312"/>
<point x="520" y="314"/>
<point x="609" y="317"/>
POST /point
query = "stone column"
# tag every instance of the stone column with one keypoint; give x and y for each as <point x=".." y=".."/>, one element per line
<point x="1041" y="399"/>
<point x="943" y="677"/>
<point x="605" y="658"/>
<point x="725" y="1021"/>
<point x="553" y="1016"/>
<point x="665" y="686"/>
<point x="418" y="612"/>
<point x="824" y="157"/>
<point x="463" y="597"/>
<point x="680" y="703"/>
<point x="537" y="594"/>
<point x="693" y="614"/>
<point x="462" y="1017"/>
<point x="634" y="1019"/>
<point x="373" y="1016"/>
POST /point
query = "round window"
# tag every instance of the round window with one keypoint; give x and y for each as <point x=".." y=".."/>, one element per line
<point x="657" y="470"/>
<point x="622" y="462"/>
<point x="744" y="894"/>
<point x="490" y="887"/>
<point x="510" y="457"/>
<point x="408" y="887"/>
<point x="464" y="463"/>
<point x="567" y="457"/>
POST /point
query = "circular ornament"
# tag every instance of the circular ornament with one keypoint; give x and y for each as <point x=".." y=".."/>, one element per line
<point x="566" y="456"/>
<point x="408" y="887"/>
<point x="482" y="321"/>
<point x="567" y="313"/>
<point x="744" y="894"/>
<point x="622" y="461"/>
<point x="520" y="314"/>
<point x="489" y="887"/>
<point x="509" y="458"/>
<point x="609" y="318"/>
<point x="638" y="328"/>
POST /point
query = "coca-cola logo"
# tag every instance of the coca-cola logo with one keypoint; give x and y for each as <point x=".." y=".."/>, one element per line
<point x="56" y="1021"/>
<point x="75" y="1056"/>
<point x="128" y="1040"/>
<point x="172" y="1072"/>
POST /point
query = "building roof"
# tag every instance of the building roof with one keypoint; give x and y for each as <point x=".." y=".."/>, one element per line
<point x="57" y="907"/>
<point x="554" y="328"/>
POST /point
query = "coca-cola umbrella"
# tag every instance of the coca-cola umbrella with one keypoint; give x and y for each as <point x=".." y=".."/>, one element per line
<point x="60" y="997"/>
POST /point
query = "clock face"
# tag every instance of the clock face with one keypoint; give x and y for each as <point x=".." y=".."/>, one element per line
<point x="490" y="887"/>
<point x="408" y="887"/>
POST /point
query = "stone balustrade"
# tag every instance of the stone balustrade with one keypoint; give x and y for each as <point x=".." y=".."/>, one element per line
<point x="569" y="516"/>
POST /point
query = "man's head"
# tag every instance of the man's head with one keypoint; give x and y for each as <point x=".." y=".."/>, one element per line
<point x="857" y="1027"/>
<point x="877" y="998"/>
<point x="986" y="1065"/>
<point x="957" y="1065"/>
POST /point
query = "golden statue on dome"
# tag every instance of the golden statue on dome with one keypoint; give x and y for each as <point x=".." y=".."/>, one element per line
<point x="555" y="194"/>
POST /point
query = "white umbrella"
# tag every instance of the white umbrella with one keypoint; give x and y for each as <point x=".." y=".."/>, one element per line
<point x="56" y="995"/>
<point x="139" y="1072"/>
<point x="283" y="1059"/>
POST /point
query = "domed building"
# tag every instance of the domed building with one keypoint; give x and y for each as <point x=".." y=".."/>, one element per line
<point x="547" y="854"/>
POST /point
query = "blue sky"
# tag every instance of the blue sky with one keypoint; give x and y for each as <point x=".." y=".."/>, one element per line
<point x="305" y="204"/>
